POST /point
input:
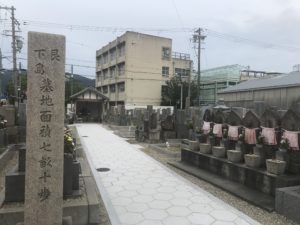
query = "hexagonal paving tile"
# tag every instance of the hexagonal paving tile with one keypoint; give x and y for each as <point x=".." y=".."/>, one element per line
<point x="169" y="183"/>
<point x="132" y="187"/>
<point x="131" y="218"/>
<point x="154" y="179"/>
<point x="163" y="196"/>
<point x="120" y="209"/>
<point x="223" y="223"/>
<point x="147" y="191"/>
<point x="240" y="221"/>
<point x="216" y="205"/>
<point x="180" y="202"/>
<point x="151" y="222"/>
<point x="201" y="199"/>
<point x="201" y="208"/>
<point x="166" y="189"/>
<point x="158" y="204"/>
<point x="176" y="221"/>
<point x="116" y="189"/>
<point x="137" y="181"/>
<point x="182" y="194"/>
<point x="178" y="211"/>
<point x="127" y="193"/>
<point x="155" y="214"/>
<point x="200" y="218"/>
<point x="151" y="185"/>
<point x="136" y="207"/>
<point x="122" y="201"/>
<point x="143" y="198"/>
<point x="223" y="215"/>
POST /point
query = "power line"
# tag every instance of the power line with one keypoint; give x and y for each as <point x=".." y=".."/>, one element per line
<point x="210" y="32"/>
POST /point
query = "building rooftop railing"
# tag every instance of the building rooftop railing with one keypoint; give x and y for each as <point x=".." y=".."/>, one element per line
<point x="179" y="55"/>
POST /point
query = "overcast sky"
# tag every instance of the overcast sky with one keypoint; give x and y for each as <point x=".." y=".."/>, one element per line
<point x="269" y="28"/>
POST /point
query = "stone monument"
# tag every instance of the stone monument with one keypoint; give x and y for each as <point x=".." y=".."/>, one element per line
<point x="45" y="129"/>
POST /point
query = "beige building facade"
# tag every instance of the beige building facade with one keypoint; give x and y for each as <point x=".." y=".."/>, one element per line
<point x="132" y="69"/>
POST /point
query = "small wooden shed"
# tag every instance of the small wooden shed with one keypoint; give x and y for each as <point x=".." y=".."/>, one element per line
<point x="89" y="105"/>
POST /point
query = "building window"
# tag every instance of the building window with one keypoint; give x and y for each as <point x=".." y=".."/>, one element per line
<point x="166" y="53"/>
<point x="99" y="60"/>
<point x="121" y="87"/>
<point x="98" y="76"/>
<point x="165" y="71"/>
<point x="105" y="74"/>
<point x="112" y="72"/>
<point x="121" y="49"/>
<point x="112" y="54"/>
<point x="182" y="72"/>
<point x="105" y="57"/>
<point x="121" y="69"/>
<point x="112" y="88"/>
<point x="105" y="89"/>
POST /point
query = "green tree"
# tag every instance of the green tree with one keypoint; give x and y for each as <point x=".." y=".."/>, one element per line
<point x="77" y="86"/>
<point x="172" y="90"/>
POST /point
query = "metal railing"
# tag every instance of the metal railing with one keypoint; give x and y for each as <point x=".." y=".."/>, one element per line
<point x="179" y="55"/>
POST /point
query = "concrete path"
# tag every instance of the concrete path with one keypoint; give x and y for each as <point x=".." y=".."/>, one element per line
<point x="140" y="190"/>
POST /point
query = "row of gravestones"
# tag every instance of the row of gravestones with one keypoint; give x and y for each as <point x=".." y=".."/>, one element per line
<point x="15" y="179"/>
<point x="155" y="125"/>
<point x="133" y="117"/>
<point x="278" y="119"/>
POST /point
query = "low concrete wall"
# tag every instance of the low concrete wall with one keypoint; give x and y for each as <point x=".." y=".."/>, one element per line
<point x="254" y="178"/>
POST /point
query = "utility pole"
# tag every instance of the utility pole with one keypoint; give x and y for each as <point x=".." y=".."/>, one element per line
<point x="197" y="38"/>
<point x="188" y="98"/>
<point x="71" y="79"/>
<point x="14" y="22"/>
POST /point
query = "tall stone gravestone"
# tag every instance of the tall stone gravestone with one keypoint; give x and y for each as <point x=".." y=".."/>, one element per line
<point x="45" y="129"/>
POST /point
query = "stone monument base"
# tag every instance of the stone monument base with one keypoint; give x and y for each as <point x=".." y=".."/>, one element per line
<point x="83" y="209"/>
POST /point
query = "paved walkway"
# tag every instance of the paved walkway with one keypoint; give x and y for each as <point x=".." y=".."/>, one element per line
<point x="140" y="190"/>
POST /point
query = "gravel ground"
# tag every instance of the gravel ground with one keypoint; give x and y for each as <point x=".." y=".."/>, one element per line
<point x="254" y="212"/>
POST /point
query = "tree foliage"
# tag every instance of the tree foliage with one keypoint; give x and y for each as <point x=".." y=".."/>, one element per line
<point x="172" y="90"/>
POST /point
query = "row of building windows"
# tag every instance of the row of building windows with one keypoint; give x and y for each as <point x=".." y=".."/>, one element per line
<point x="111" y="54"/>
<point x="182" y="72"/>
<point x="112" y="88"/>
<point x="178" y="72"/>
<point x="112" y="71"/>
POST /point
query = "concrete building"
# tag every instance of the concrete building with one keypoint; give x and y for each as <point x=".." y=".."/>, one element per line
<point x="280" y="91"/>
<point x="217" y="79"/>
<point x="132" y="69"/>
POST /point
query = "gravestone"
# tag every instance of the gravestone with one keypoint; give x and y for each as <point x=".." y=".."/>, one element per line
<point x="153" y="121"/>
<point x="45" y="129"/>
<point x="233" y="119"/>
<point x="251" y="120"/>
<point x="269" y="118"/>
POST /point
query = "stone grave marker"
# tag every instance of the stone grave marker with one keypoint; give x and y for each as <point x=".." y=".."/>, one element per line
<point x="45" y="129"/>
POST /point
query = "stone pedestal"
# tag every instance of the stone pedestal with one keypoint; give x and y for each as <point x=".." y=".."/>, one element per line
<point x="14" y="187"/>
<point x="234" y="155"/>
<point x="219" y="151"/>
<point x="252" y="160"/>
<point x="276" y="167"/>
<point x="283" y="155"/>
<point x="154" y="136"/>
<point x="192" y="145"/>
<point x="259" y="150"/>
<point x="205" y="148"/>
